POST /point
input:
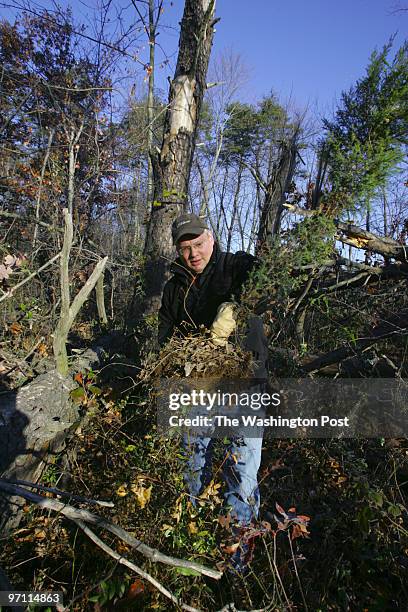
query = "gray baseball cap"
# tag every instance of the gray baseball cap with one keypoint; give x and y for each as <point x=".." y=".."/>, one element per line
<point x="187" y="224"/>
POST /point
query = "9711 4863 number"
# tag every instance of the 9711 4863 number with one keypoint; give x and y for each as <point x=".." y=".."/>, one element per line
<point x="36" y="598"/>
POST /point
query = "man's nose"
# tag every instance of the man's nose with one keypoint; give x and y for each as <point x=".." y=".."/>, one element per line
<point x="192" y="250"/>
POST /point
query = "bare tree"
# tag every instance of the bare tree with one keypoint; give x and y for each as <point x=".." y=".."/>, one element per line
<point x="172" y="165"/>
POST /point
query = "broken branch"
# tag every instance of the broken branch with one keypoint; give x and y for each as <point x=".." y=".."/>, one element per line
<point x="89" y="517"/>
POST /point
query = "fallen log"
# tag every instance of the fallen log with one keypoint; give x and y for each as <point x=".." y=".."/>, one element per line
<point x="395" y="325"/>
<point x="355" y="236"/>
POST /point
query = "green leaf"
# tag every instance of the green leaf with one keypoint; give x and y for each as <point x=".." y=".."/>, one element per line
<point x="94" y="389"/>
<point x="376" y="497"/>
<point x="186" y="571"/>
<point x="78" y="394"/>
<point x="112" y="590"/>
<point x="394" y="510"/>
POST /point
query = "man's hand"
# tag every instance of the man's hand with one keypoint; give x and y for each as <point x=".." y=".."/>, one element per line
<point x="223" y="325"/>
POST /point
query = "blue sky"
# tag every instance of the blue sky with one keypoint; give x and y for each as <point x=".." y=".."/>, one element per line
<point x="307" y="50"/>
<point x="310" y="50"/>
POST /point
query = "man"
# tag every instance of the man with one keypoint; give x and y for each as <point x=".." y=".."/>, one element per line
<point x="204" y="282"/>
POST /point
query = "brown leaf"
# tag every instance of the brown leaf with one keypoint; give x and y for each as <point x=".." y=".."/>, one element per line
<point x="210" y="490"/>
<point x="230" y="549"/>
<point x="179" y="508"/>
<point x="276" y="465"/>
<point x="43" y="350"/>
<point x="135" y="589"/>
<point x="280" y="509"/>
<point x="303" y="517"/>
<point x="296" y="532"/>
<point x="9" y="260"/>
<point x="4" y="272"/>
<point x="225" y="521"/>
<point x="122" y="490"/>
<point x="142" y="493"/>
<point x="15" y="328"/>
<point x="341" y="479"/>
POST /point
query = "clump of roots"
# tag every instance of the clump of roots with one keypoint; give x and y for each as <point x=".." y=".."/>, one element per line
<point x="196" y="356"/>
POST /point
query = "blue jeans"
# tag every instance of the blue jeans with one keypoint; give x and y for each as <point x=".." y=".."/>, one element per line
<point x="240" y="470"/>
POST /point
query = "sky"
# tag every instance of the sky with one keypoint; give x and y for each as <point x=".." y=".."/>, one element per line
<point x="308" y="51"/>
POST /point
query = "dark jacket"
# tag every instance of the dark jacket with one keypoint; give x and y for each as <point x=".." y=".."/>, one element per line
<point x="191" y="300"/>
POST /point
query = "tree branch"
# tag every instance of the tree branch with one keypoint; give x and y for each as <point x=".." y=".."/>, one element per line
<point x="10" y="292"/>
<point x="359" y="238"/>
<point x="89" y="517"/>
<point x="132" y="566"/>
<point x="397" y="325"/>
<point x="78" y="498"/>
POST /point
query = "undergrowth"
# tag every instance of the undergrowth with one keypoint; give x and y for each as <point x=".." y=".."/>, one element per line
<point x="355" y="558"/>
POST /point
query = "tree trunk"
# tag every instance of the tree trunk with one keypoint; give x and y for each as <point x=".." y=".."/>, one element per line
<point x="272" y="208"/>
<point x="171" y="167"/>
<point x="150" y="99"/>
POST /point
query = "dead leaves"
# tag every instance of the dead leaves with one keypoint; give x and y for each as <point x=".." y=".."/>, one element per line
<point x="336" y="472"/>
<point x="136" y="588"/>
<point x="178" y="511"/>
<point x="139" y="490"/>
<point x="10" y="264"/>
<point x="225" y="521"/>
<point x="16" y="328"/>
<point x="210" y="494"/>
<point x="197" y="357"/>
<point x="293" y="523"/>
<point x="122" y="491"/>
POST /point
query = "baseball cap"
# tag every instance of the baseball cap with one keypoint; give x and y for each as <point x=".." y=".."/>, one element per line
<point x="187" y="224"/>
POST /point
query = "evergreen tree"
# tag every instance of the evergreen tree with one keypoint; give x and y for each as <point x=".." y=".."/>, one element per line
<point x="366" y="141"/>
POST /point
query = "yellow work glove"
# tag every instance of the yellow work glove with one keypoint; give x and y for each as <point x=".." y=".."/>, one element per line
<point x="223" y="325"/>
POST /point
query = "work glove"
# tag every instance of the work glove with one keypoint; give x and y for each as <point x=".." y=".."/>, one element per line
<point x="223" y="325"/>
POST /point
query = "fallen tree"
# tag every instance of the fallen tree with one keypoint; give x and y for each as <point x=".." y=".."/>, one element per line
<point x="355" y="236"/>
<point x="396" y="325"/>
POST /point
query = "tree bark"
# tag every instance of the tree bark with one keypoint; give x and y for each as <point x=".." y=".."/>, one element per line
<point x="70" y="311"/>
<point x="172" y="165"/>
<point x="275" y="191"/>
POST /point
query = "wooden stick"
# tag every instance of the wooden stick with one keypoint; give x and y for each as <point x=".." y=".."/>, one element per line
<point x="89" y="517"/>
<point x="10" y="292"/>
<point x="77" y="498"/>
<point x="132" y="566"/>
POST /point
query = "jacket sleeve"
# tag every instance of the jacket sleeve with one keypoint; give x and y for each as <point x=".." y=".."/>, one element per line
<point x="243" y="264"/>
<point x="167" y="322"/>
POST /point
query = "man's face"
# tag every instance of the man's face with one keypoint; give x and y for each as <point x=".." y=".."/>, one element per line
<point x="196" y="251"/>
